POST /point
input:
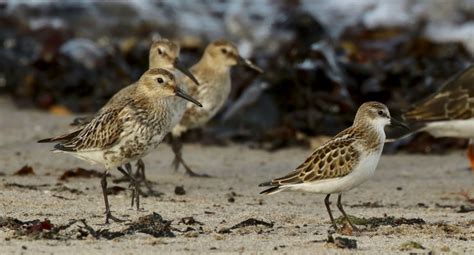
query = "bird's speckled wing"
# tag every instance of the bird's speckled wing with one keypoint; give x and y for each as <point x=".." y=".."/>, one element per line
<point x="101" y="133"/>
<point x="336" y="158"/>
<point x="124" y="92"/>
<point x="454" y="101"/>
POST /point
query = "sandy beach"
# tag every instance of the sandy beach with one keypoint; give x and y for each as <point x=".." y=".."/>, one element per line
<point x="423" y="194"/>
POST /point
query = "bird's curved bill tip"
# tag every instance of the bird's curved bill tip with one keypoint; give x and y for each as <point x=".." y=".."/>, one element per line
<point x="178" y="65"/>
<point x="396" y="122"/>
<point x="246" y="62"/>
<point x="180" y="93"/>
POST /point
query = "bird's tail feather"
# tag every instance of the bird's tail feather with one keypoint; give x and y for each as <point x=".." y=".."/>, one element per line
<point x="273" y="190"/>
<point x="60" y="138"/>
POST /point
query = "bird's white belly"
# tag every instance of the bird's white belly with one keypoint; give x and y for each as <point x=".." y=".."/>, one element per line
<point x="363" y="171"/>
<point x="451" y="128"/>
<point x="93" y="157"/>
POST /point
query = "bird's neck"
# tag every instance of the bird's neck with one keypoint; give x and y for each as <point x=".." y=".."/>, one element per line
<point x="159" y="63"/>
<point x="209" y="66"/>
<point x="373" y="135"/>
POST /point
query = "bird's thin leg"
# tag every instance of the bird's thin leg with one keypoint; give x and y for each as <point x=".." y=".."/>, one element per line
<point x="191" y="172"/>
<point x="470" y="153"/>
<point x="141" y="168"/>
<point x="339" y="205"/>
<point x="129" y="173"/>
<point x="327" y="203"/>
<point x="108" y="213"/>
<point x="177" y="147"/>
<point x="140" y="165"/>
<point x="136" y="188"/>
<point x="133" y="184"/>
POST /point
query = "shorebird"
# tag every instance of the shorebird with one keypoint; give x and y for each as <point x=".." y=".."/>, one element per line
<point x="342" y="163"/>
<point x="213" y="73"/>
<point x="126" y="129"/>
<point x="449" y="112"/>
<point x="163" y="54"/>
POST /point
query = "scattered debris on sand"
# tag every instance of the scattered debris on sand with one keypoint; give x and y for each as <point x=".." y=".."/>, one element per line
<point x="341" y="242"/>
<point x="190" y="221"/>
<point x="375" y="222"/>
<point x="25" y="170"/>
<point x="152" y="224"/>
<point x="79" y="173"/>
<point x="466" y="196"/>
<point x="465" y="209"/>
<point x="411" y="245"/>
<point x="246" y="223"/>
<point x="179" y="190"/>
<point x="26" y="186"/>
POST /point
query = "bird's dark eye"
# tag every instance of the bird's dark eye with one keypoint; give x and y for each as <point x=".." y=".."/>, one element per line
<point x="381" y="113"/>
<point x="224" y="50"/>
<point x="160" y="80"/>
<point x="160" y="51"/>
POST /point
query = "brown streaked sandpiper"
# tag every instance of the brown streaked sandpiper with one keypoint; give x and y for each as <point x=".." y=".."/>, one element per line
<point x="127" y="129"/>
<point x="213" y="73"/>
<point x="449" y="112"/>
<point x="342" y="163"/>
<point x="163" y="54"/>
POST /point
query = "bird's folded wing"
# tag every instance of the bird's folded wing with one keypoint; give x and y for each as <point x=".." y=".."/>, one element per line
<point x="452" y="105"/>
<point x="101" y="133"/>
<point x="337" y="158"/>
<point x="455" y="100"/>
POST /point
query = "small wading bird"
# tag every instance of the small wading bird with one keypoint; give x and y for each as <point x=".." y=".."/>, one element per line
<point x="126" y="129"/>
<point x="163" y="54"/>
<point x="342" y="163"/>
<point x="447" y="113"/>
<point x="213" y="74"/>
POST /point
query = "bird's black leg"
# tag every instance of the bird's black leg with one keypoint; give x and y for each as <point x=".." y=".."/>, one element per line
<point x="133" y="184"/>
<point x="129" y="173"/>
<point x="141" y="169"/>
<point x="327" y="203"/>
<point x="177" y="147"/>
<point x="339" y="205"/>
<point x="108" y="213"/>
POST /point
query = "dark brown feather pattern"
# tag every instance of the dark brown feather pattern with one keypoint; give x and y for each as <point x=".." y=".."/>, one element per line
<point x="454" y="101"/>
<point x="334" y="159"/>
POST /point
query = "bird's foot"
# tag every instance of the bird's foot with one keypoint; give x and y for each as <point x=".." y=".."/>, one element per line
<point x="109" y="216"/>
<point x="193" y="174"/>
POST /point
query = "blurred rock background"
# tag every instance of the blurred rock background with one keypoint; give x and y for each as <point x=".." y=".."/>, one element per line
<point x="322" y="58"/>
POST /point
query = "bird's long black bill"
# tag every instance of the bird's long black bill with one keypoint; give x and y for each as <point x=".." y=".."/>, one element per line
<point x="248" y="63"/>
<point x="396" y="122"/>
<point x="185" y="96"/>
<point x="178" y="65"/>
